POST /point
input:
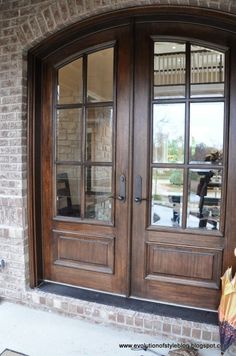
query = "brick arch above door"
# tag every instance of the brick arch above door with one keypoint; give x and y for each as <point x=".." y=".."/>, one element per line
<point x="46" y="18"/>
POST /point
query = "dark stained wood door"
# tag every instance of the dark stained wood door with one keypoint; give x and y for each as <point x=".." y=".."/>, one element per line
<point x="85" y="162"/>
<point x="174" y="117"/>
<point x="182" y="238"/>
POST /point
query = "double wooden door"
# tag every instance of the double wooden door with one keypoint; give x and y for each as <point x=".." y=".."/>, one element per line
<point x="136" y="146"/>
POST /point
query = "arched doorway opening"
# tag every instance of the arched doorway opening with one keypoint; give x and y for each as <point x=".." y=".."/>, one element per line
<point x="134" y="137"/>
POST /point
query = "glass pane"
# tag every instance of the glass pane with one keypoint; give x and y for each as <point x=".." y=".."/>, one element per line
<point x="68" y="135"/>
<point x="204" y="198"/>
<point x="100" y="75"/>
<point x="167" y="92"/>
<point x="206" y="132"/>
<point x="169" y="70"/>
<point x="167" y="193"/>
<point x="207" y="72"/>
<point x="168" y="133"/>
<point x="207" y="90"/>
<point x="68" y="190"/>
<point x="70" y="83"/>
<point x="98" y="193"/>
<point x="99" y="134"/>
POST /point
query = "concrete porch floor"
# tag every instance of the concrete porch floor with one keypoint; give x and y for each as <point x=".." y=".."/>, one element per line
<point x="40" y="333"/>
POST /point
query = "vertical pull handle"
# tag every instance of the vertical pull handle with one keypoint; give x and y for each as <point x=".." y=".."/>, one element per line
<point x="122" y="191"/>
<point x="138" y="189"/>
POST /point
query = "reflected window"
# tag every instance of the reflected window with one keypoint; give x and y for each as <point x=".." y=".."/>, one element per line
<point x="207" y="72"/>
<point x="169" y="70"/>
<point x="188" y="136"/>
<point x="100" y="76"/>
<point x="70" y="83"/>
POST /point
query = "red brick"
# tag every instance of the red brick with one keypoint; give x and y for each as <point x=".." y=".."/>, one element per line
<point x="34" y="26"/>
<point x="120" y="318"/>
<point x="49" y="19"/>
<point x="166" y="328"/>
<point x="42" y="300"/>
<point x="72" y="7"/>
<point x="72" y="308"/>
<point x="206" y="335"/>
<point x="176" y="329"/>
<point x="148" y="324"/>
<point x="138" y="321"/>
<point x="129" y="320"/>
<point x="157" y="325"/>
<point x="64" y="10"/>
<point x="112" y="317"/>
<point x="42" y="23"/>
<point x="80" y="309"/>
<point x="96" y="313"/>
<point x="196" y="334"/>
<point x="186" y="331"/>
<point x="56" y="14"/>
<point x="80" y="5"/>
<point x="216" y="337"/>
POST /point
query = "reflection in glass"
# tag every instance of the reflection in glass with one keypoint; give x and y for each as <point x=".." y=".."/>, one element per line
<point x="206" y="132"/>
<point x="68" y="190"/>
<point x="207" y="72"/>
<point x="98" y="201"/>
<point x="99" y="134"/>
<point x="167" y="192"/>
<point x="168" y="133"/>
<point x="100" y="76"/>
<point x="70" y="83"/>
<point x="169" y="70"/>
<point x="204" y="199"/>
<point x="68" y="134"/>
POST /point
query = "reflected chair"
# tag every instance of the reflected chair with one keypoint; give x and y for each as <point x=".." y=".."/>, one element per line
<point x="64" y="201"/>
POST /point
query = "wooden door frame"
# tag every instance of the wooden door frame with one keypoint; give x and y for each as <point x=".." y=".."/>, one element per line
<point x="39" y="53"/>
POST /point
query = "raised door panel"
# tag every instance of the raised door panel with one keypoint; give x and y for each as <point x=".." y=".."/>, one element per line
<point x="92" y="253"/>
<point x="183" y="265"/>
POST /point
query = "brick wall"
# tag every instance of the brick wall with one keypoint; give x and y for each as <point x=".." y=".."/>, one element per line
<point x="23" y="23"/>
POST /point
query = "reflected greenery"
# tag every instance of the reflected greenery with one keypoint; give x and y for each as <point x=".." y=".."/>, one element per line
<point x="206" y="132"/>
<point x="168" y="133"/>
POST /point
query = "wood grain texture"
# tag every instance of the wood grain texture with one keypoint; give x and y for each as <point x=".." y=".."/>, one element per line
<point x="187" y="265"/>
<point x="92" y="253"/>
